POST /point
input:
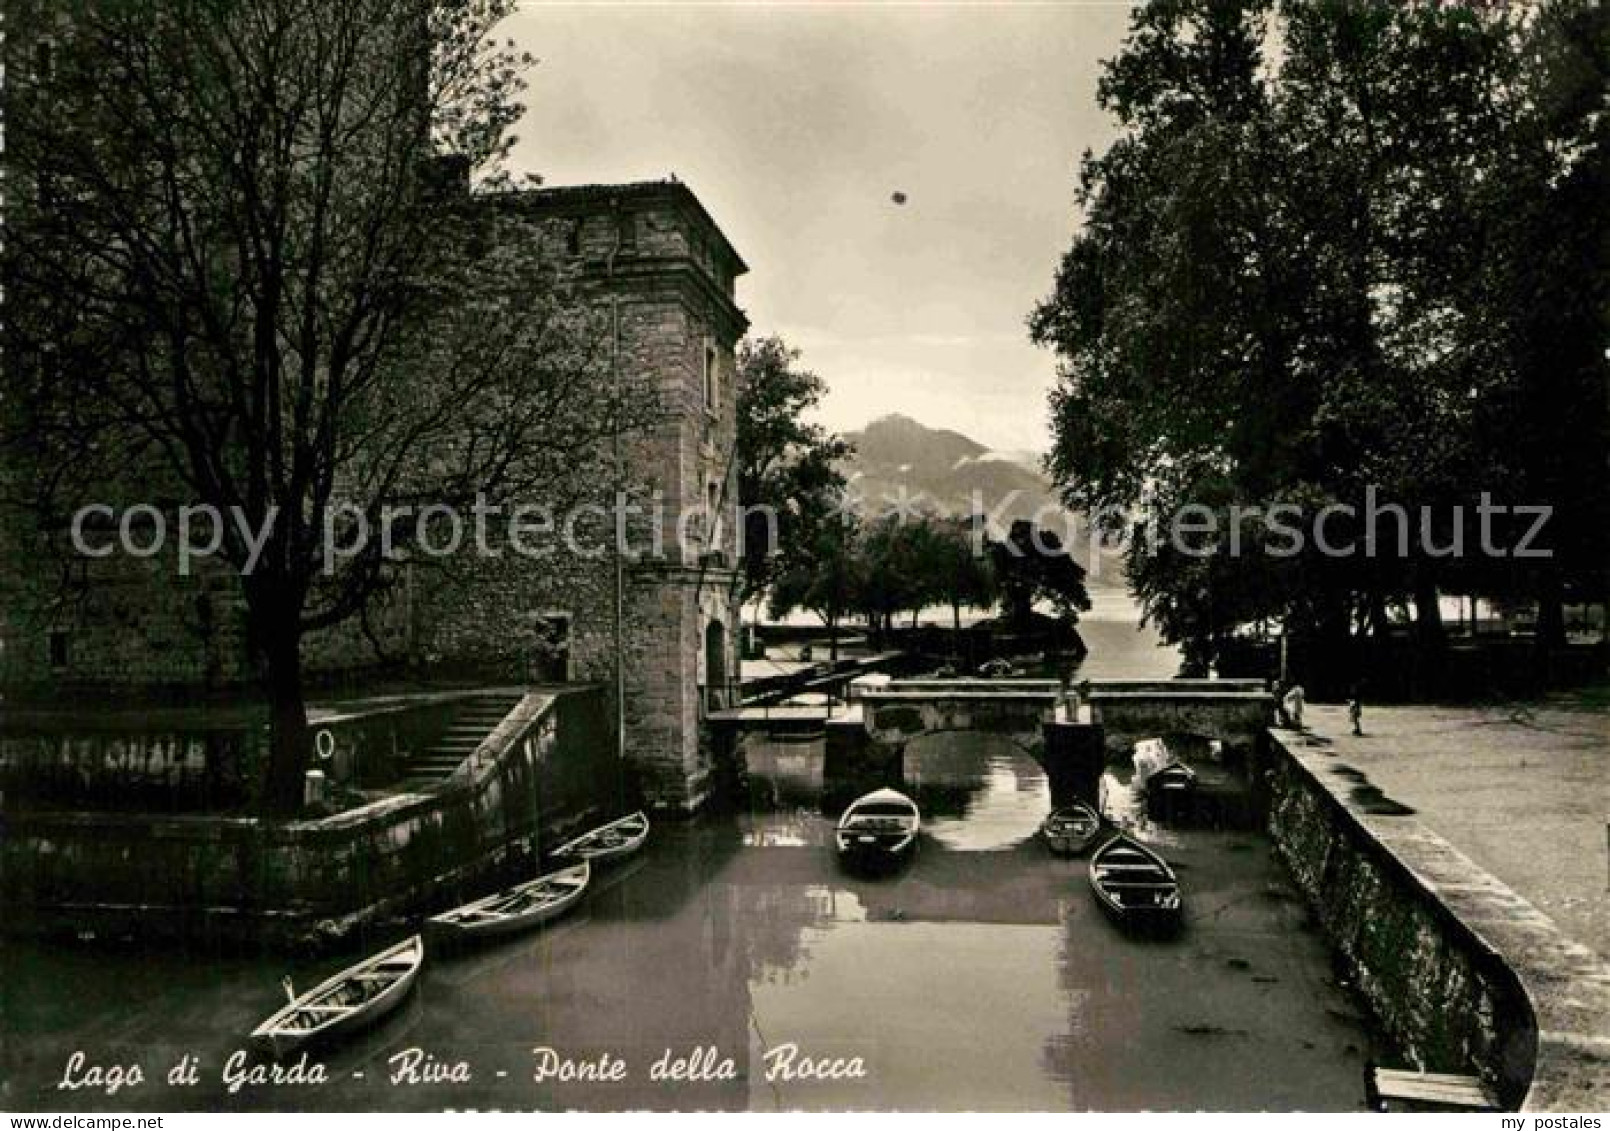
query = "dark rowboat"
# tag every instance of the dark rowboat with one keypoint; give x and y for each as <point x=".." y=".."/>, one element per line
<point x="1134" y="884"/>
<point x="1171" y="791"/>
<point x="517" y="908"/>
<point x="1070" y="830"/>
<point x="884" y="823"/>
<point x="1174" y="779"/>
<point x="608" y="842"/>
<point x="355" y="998"/>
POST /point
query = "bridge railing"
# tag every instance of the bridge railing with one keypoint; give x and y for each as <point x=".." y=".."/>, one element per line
<point x="721" y="696"/>
<point x="772" y="705"/>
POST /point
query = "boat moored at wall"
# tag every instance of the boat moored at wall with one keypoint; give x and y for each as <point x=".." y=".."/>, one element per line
<point x="354" y="999"/>
<point x="613" y="841"/>
<point x="518" y="908"/>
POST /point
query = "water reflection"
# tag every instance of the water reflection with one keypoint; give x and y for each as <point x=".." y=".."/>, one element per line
<point x="979" y="976"/>
<point x="978" y="792"/>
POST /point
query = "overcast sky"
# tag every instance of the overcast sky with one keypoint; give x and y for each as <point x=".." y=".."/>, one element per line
<point x="795" y="124"/>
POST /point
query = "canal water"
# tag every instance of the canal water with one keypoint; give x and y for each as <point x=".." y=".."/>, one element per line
<point x="735" y="953"/>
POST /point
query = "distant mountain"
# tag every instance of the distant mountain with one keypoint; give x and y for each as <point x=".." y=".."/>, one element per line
<point x="945" y="472"/>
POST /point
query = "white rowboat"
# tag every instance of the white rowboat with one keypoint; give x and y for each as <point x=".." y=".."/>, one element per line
<point x="517" y="908"/>
<point x="1071" y="830"/>
<point x="608" y="842"/>
<point x="883" y="823"/>
<point x="355" y="998"/>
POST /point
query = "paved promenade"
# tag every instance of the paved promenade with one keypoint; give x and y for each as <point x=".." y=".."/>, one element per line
<point x="1522" y="789"/>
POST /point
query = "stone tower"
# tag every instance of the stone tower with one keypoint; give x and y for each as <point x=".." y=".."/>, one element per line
<point x="669" y="274"/>
<point x="661" y="274"/>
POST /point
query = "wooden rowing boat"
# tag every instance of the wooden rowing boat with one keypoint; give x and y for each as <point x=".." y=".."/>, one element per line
<point x="1070" y="830"/>
<point x="1134" y="884"/>
<point x="1171" y="792"/>
<point x="608" y="842"/>
<point x="1174" y="780"/>
<point x="355" y="998"/>
<point x="1395" y="1089"/>
<point x="884" y="824"/>
<point x="518" y="908"/>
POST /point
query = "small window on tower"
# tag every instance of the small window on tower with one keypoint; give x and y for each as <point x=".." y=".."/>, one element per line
<point x="44" y="60"/>
<point x="713" y="495"/>
<point x="711" y="384"/>
<point x="626" y="231"/>
<point x="573" y="238"/>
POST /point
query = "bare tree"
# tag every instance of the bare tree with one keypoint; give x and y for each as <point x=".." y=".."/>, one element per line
<point x="236" y="271"/>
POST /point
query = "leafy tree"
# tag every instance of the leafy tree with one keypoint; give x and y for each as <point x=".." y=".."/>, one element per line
<point x="825" y="576"/>
<point x="896" y="570"/>
<point x="1302" y="276"/>
<point x="962" y="573"/>
<point x="1031" y="565"/>
<point x="235" y="280"/>
<point x="1542" y="292"/>
<point x="788" y="469"/>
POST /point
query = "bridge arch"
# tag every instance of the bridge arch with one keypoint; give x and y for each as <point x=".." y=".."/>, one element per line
<point x="1233" y="713"/>
<point x="896" y="717"/>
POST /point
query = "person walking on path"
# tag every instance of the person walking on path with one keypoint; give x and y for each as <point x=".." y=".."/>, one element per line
<point x="1292" y="706"/>
<point x="1355" y="713"/>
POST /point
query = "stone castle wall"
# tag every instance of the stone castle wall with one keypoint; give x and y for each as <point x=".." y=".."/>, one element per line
<point x="659" y="277"/>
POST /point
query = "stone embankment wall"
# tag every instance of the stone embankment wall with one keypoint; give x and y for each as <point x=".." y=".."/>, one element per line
<point x="1464" y="975"/>
<point x="534" y="781"/>
<point x="195" y="760"/>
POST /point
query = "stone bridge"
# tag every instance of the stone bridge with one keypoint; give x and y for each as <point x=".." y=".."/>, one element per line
<point x="894" y="712"/>
<point x="1235" y="712"/>
<point x="1232" y="712"/>
<point x="1074" y="740"/>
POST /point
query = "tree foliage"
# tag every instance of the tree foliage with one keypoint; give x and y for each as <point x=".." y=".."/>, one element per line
<point x="1031" y="566"/>
<point x="240" y="283"/>
<point x="825" y="575"/>
<point x="1370" y="259"/>
<point x="897" y="573"/>
<point x="788" y="468"/>
<point x="961" y="572"/>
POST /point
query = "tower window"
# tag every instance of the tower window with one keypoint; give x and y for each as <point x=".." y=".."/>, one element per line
<point x="711" y="383"/>
<point x="626" y="231"/>
<point x="44" y="61"/>
<point x="573" y="238"/>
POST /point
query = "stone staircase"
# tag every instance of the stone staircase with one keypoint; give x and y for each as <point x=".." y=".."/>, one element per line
<point x="471" y="721"/>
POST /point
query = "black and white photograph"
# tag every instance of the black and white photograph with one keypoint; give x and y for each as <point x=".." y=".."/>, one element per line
<point x="804" y="556"/>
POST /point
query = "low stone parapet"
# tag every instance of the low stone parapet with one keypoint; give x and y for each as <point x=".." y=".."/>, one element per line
<point x="533" y="782"/>
<point x="1463" y="974"/>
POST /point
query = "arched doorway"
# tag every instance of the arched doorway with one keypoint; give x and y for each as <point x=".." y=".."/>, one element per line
<point x="716" y="682"/>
